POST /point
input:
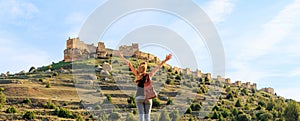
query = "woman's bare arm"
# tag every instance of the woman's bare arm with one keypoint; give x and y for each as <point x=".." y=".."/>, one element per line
<point x="168" y="57"/>
<point x="129" y="64"/>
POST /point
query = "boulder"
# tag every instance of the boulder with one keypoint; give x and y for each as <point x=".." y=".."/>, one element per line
<point x="106" y="67"/>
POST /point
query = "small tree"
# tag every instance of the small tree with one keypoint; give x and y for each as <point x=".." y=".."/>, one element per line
<point x="108" y="97"/>
<point x="114" y="116"/>
<point x="50" y="105"/>
<point x="291" y="112"/>
<point x="156" y="102"/>
<point x="243" y="117"/>
<point x="270" y="106"/>
<point x="215" y="115"/>
<point x="164" y="116"/>
<point x="130" y="117"/>
<point x="32" y="69"/>
<point x="170" y="102"/>
<point x="235" y="112"/>
<point x="29" y="115"/>
<point x="48" y="84"/>
<point x="188" y="111"/>
<point x="65" y="113"/>
<point x="267" y="117"/>
<point x="225" y="113"/>
<point x="238" y="103"/>
<point x="2" y="97"/>
<point x="27" y="101"/>
<point x="131" y="101"/>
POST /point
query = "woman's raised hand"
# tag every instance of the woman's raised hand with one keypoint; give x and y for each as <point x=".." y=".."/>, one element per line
<point x="168" y="57"/>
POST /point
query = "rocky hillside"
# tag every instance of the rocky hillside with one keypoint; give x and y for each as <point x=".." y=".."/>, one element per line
<point x="103" y="89"/>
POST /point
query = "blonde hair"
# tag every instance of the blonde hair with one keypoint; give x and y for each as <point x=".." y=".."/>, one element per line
<point x="144" y="64"/>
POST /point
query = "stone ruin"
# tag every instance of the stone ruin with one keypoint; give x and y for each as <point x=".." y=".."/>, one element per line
<point x="228" y="81"/>
<point x="78" y="50"/>
<point x="129" y="50"/>
<point x="268" y="90"/>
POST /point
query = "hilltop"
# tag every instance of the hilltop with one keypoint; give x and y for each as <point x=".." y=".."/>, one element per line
<point x="92" y="83"/>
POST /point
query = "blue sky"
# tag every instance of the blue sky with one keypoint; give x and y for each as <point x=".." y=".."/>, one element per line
<point x="260" y="38"/>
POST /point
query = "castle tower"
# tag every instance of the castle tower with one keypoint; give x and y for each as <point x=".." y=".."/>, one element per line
<point x="248" y="85"/>
<point x="198" y="73"/>
<point x="219" y="78"/>
<point x="254" y="86"/>
<point x="238" y="83"/>
<point x="228" y="81"/>
<point x="101" y="51"/>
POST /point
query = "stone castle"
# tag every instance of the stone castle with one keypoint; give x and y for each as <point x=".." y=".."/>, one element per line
<point x="78" y="50"/>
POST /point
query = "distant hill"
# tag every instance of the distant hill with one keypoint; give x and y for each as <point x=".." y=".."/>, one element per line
<point x="103" y="89"/>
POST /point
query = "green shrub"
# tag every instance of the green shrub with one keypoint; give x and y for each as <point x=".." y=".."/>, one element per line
<point x="207" y="81"/>
<point x="291" y="112"/>
<point x="178" y="77"/>
<point x="225" y="113"/>
<point x="50" y="105"/>
<point x="238" y="103"/>
<point x="235" y="111"/>
<point x="11" y="109"/>
<point x="98" y="107"/>
<point x="169" y="81"/>
<point x="48" y="85"/>
<point x="108" y="97"/>
<point x="131" y="101"/>
<point x="164" y="116"/>
<point x="156" y="102"/>
<point x="64" y="113"/>
<point x="229" y="96"/>
<point x="55" y="74"/>
<point x="243" y="117"/>
<point x="258" y="107"/>
<point x="196" y="107"/>
<point x="31" y="69"/>
<point x="188" y="111"/>
<point x="27" y="101"/>
<point x="270" y="106"/>
<point x="262" y="103"/>
<point x="170" y="102"/>
<point x="2" y="98"/>
<point x="130" y="117"/>
<point x="216" y="108"/>
<point x="78" y="118"/>
<point x="267" y="117"/>
<point x="29" y="115"/>
<point x="215" y="115"/>
<point x="114" y="116"/>
<point x="1" y="89"/>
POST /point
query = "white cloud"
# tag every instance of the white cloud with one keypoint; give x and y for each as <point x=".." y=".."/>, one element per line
<point x="218" y="10"/>
<point x="17" y="56"/>
<point x="277" y="30"/>
<point x="17" y="9"/>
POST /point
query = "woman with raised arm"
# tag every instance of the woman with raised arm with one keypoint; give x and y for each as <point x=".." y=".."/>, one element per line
<point x="143" y="105"/>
